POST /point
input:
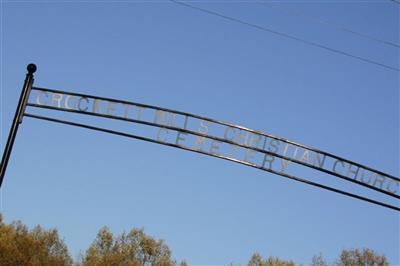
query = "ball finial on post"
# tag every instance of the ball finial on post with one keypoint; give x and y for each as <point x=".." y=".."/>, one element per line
<point x="31" y="68"/>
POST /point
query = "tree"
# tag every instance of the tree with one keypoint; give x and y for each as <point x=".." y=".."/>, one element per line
<point x="39" y="247"/>
<point x="366" y="257"/>
<point x="21" y="246"/>
<point x="318" y="261"/>
<point x="132" y="249"/>
<point x="257" y="260"/>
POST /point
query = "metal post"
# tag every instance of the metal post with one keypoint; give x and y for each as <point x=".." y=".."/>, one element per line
<point x="19" y="113"/>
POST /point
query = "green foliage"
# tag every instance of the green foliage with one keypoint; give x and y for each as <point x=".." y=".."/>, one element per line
<point x="21" y="246"/>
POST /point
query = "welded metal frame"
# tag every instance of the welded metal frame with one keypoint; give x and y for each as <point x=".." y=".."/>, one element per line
<point x="24" y="103"/>
<point x="213" y="137"/>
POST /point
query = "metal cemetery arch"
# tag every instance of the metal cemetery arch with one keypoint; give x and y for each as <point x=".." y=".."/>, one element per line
<point x="201" y="135"/>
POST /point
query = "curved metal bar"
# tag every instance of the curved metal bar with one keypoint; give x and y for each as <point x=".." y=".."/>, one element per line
<point x="217" y="156"/>
<point x="214" y="138"/>
<point x="224" y="124"/>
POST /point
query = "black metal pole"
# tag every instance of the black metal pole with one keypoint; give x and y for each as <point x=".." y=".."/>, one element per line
<point x="19" y="113"/>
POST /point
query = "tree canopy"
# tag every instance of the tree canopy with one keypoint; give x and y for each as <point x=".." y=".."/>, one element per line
<point x="21" y="246"/>
<point x="39" y="247"/>
<point x="131" y="249"/>
<point x="365" y="257"/>
<point x="258" y="260"/>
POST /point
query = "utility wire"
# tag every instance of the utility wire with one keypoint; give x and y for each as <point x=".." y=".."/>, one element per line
<point x="333" y="50"/>
<point x="395" y="1"/>
<point x="334" y="25"/>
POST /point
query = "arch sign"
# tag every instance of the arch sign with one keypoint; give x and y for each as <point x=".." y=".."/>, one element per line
<point x="201" y="135"/>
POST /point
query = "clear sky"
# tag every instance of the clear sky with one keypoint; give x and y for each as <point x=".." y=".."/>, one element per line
<point x="208" y="211"/>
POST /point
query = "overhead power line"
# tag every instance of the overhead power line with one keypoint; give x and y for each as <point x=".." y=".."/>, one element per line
<point x="265" y="29"/>
<point x="331" y="24"/>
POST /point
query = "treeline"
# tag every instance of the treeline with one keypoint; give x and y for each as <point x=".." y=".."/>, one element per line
<point x="21" y="246"/>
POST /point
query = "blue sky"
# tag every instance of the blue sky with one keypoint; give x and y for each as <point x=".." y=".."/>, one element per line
<point x="208" y="211"/>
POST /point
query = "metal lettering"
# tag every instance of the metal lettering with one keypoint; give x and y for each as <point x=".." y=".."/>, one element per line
<point x="203" y="127"/>
<point x="318" y="160"/>
<point x="126" y="110"/>
<point x="284" y="163"/>
<point x="363" y="175"/>
<point x="249" y="156"/>
<point x="226" y="133"/>
<point x="241" y="140"/>
<point x="379" y="179"/>
<point x="240" y="137"/>
<point x="38" y="97"/>
<point x="67" y="102"/>
<point x="335" y="164"/>
<point x="164" y="118"/>
<point x="111" y="108"/>
<point x="274" y="143"/>
<point x="199" y="142"/>
<point x="159" y="134"/>
<point x="179" y="138"/>
<point x="56" y="98"/>
<point x="96" y="106"/>
<point x="268" y="158"/>
<point x="265" y="143"/>
<point x="186" y="122"/>
<point x="389" y="186"/>
<point x="139" y="112"/>
<point x="253" y="140"/>
<point x="80" y="104"/>
<point x="306" y="156"/>
<point x="351" y="171"/>
<point x="295" y="152"/>
<point x="215" y="147"/>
